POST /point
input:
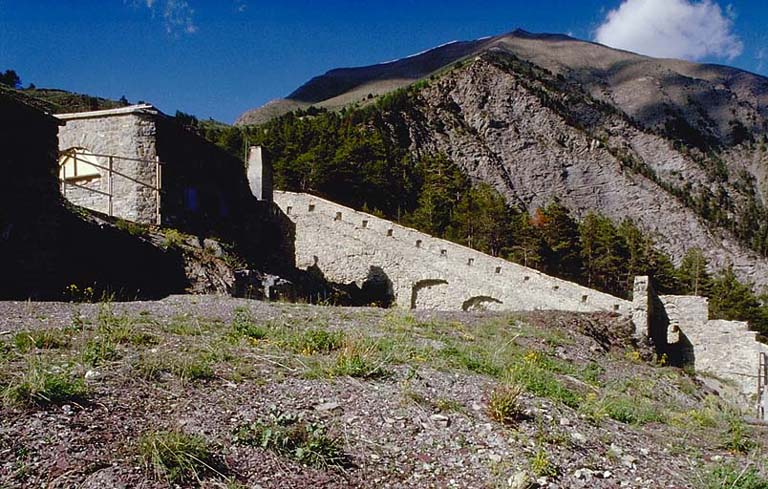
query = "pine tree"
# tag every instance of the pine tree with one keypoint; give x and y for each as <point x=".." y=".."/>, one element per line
<point x="692" y="273"/>
<point x="562" y="254"/>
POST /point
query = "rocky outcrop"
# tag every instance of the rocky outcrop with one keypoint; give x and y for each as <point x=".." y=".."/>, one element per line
<point x="535" y="138"/>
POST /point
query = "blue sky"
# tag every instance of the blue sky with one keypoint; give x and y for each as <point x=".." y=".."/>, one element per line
<point x="219" y="58"/>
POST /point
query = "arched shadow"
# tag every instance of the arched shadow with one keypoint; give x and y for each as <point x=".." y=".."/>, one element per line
<point x="424" y="284"/>
<point x="480" y="302"/>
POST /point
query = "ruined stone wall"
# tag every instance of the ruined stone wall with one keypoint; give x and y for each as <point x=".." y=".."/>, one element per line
<point x="121" y="132"/>
<point x="725" y="349"/>
<point x="424" y="272"/>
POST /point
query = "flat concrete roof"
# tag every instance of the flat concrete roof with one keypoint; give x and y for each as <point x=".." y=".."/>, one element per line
<point x="131" y="109"/>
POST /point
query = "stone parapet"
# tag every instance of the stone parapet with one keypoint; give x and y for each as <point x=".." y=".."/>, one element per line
<point x="349" y="246"/>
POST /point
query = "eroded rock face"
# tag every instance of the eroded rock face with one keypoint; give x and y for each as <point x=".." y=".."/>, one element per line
<point x="536" y="137"/>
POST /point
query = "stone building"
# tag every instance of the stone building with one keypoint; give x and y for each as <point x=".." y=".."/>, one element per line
<point x="44" y="246"/>
<point x="139" y="164"/>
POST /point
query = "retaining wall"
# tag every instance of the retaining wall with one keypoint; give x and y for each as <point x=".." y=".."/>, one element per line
<point x="424" y="272"/>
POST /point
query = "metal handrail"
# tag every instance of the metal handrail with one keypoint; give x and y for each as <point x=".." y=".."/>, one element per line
<point x="111" y="172"/>
<point x="762" y="384"/>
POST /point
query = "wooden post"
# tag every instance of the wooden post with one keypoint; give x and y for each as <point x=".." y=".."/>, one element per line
<point x="158" y="186"/>
<point x="109" y="185"/>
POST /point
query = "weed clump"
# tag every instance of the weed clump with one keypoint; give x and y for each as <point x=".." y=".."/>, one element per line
<point x="357" y="359"/>
<point x="732" y="477"/>
<point x="189" y="367"/>
<point x="291" y="436"/>
<point x="41" y="384"/>
<point x="504" y="404"/>
<point x="176" y="456"/>
<point x="47" y="339"/>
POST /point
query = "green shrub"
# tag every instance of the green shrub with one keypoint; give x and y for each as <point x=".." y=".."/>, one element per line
<point x="737" y="438"/>
<point x="243" y="325"/>
<point x="185" y="366"/>
<point x="176" y="456"/>
<point x="625" y="409"/>
<point x="542" y="466"/>
<point x="314" y="341"/>
<point x="172" y="239"/>
<point x="542" y="382"/>
<point x="357" y="359"/>
<point x="729" y="476"/>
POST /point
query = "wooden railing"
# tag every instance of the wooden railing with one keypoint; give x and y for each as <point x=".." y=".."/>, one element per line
<point x="110" y="173"/>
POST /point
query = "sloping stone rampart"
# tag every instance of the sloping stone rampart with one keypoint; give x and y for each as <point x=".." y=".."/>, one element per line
<point x="348" y="247"/>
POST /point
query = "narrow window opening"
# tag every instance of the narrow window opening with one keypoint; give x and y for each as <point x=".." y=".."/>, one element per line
<point x="443" y="252"/>
<point x="365" y="224"/>
<point x="470" y="261"/>
<point x="389" y="232"/>
<point x="556" y="287"/>
<point x="338" y="217"/>
<point x="418" y="243"/>
<point x="526" y="278"/>
<point x="288" y="210"/>
<point x="311" y="207"/>
<point x="584" y="298"/>
<point x="498" y="269"/>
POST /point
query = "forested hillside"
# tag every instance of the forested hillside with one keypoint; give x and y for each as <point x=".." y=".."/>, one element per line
<point x="358" y="158"/>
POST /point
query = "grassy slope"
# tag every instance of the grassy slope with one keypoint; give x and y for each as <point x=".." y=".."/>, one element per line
<point x="295" y="396"/>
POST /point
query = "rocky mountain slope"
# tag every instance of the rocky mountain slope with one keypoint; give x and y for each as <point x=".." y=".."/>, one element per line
<point x="678" y="147"/>
<point x="218" y="392"/>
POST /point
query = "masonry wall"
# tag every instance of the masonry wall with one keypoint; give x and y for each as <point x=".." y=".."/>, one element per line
<point x="423" y="272"/>
<point x="680" y="325"/>
<point x="130" y="135"/>
<point x="727" y="349"/>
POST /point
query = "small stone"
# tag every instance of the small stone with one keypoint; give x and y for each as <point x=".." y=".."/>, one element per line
<point x="583" y="473"/>
<point x="519" y="481"/>
<point x="495" y="457"/>
<point x="93" y="375"/>
<point x="327" y="406"/>
<point x="578" y="437"/>
<point x="565" y="422"/>
<point x="440" y="419"/>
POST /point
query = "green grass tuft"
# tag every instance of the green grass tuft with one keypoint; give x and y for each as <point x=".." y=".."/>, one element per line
<point x="176" y="456"/>
<point x="41" y="383"/>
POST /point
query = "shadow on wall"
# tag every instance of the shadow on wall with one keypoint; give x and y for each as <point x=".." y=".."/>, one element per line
<point x="424" y="287"/>
<point x="479" y="303"/>
<point x="679" y="353"/>
<point x="376" y="291"/>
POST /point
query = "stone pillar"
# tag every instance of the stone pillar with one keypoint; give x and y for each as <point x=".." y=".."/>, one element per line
<point x="642" y="302"/>
<point x="259" y="174"/>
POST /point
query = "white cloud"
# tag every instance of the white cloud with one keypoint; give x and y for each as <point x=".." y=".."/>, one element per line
<point x="177" y="15"/>
<point x="671" y="29"/>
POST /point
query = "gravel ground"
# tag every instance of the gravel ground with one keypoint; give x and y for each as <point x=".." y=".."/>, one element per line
<point x="422" y="423"/>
